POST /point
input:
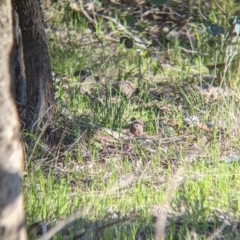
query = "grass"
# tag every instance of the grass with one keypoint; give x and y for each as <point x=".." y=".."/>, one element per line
<point x="117" y="182"/>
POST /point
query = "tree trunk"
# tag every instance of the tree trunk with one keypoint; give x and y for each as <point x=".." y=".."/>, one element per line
<point x="39" y="111"/>
<point x="19" y="79"/>
<point x="11" y="154"/>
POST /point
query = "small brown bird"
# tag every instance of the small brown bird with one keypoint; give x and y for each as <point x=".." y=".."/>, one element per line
<point x="136" y="127"/>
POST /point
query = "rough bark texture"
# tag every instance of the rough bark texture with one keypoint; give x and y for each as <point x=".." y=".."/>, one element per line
<point x="18" y="68"/>
<point x="11" y="154"/>
<point x="40" y="104"/>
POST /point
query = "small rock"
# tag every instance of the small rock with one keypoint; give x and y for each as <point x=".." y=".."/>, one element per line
<point x="38" y="229"/>
<point x="83" y="74"/>
<point x="172" y="35"/>
<point x="88" y="84"/>
<point x="141" y="236"/>
<point x="124" y="87"/>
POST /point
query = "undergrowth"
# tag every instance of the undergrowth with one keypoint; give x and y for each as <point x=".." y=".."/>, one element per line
<point x="185" y="96"/>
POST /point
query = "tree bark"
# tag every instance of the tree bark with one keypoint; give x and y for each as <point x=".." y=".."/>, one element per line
<point x="18" y="69"/>
<point x="11" y="154"/>
<point x="40" y="104"/>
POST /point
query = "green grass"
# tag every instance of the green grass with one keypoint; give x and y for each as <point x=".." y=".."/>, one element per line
<point x="120" y="182"/>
